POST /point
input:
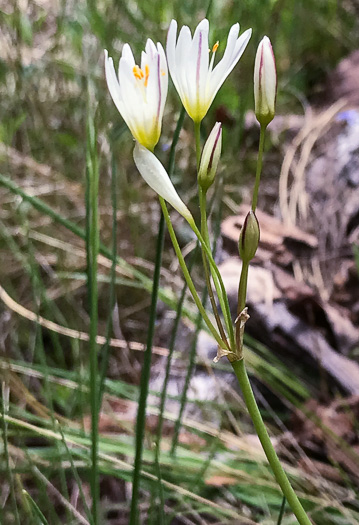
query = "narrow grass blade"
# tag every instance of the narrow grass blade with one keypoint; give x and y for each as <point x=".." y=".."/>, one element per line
<point x="39" y="518"/>
<point x="281" y="512"/>
<point x="92" y="248"/>
<point x="4" y="409"/>
<point x="105" y="350"/>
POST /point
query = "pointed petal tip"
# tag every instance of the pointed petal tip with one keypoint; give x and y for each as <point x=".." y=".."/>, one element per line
<point x="203" y="22"/>
<point x="173" y="26"/>
<point x="248" y="33"/>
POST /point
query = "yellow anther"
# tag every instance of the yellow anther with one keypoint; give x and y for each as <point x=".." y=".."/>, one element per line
<point x="137" y="71"/>
<point x="147" y="74"/>
<point x="163" y="72"/>
<point x="215" y="47"/>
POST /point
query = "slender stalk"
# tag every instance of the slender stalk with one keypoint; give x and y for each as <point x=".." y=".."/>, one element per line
<point x="92" y="248"/>
<point x="197" y="133"/>
<point x="216" y="275"/>
<point x="190" y="368"/>
<point x="243" y="380"/>
<point x="259" y="167"/>
<point x="242" y="293"/>
<point x="206" y="251"/>
<point x="192" y="352"/>
<point x="145" y="377"/>
<point x="170" y="355"/>
<point x="204" y="232"/>
<point x="279" y="473"/>
<point x="187" y="276"/>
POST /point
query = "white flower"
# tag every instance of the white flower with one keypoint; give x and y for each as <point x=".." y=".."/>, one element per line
<point x="140" y="92"/>
<point x="193" y="75"/>
<point x="157" y="178"/>
<point x="265" y="82"/>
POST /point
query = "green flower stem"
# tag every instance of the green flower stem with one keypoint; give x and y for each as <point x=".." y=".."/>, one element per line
<point x="197" y="133"/>
<point x="280" y="475"/>
<point x="187" y="276"/>
<point x="242" y="294"/>
<point x="204" y="232"/>
<point x="259" y="167"/>
<point x="243" y="380"/>
<point x="216" y="275"/>
<point x="206" y="250"/>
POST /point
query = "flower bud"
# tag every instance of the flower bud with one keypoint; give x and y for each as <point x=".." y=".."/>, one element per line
<point x="249" y="237"/>
<point x="210" y="157"/>
<point x="265" y="82"/>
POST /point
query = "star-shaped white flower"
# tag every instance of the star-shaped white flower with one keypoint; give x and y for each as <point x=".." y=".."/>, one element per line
<point x="193" y="74"/>
<point x="140" y="92"/>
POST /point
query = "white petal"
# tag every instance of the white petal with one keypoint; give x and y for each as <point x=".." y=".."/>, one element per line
<point x="144" y="60"/>
<point x="231" y="42"/>
<point x="150" y="48"/>
<point x="157" y="178"/>
<point x="197" y="68"/>
<point x="128" y="55"/>
<point x="163" y="76"/>
<point x="112" y="82"/>
<point x="129" y="90"/>
<point x="240" y="47"/>
<point x="229" y="60"/>
<point x="153" y="90"/>
<point x="182" y="59"/>
<point x="171" y="51"/>
<point x="171" y="43"/>
<point x="270" y="73"/>
<point x="132" y="98"/>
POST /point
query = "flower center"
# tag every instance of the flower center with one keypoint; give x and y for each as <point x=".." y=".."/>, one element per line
<point x="139" y="74"/>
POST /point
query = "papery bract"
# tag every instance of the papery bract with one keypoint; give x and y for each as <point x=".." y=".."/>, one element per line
<point x="193" y="75"/>
<point x="139" y="93"/>
<point x="265" y="82"/>
<point x="157" y="178"/>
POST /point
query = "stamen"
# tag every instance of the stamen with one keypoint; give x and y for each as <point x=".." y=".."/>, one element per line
<point x="137" y="71"/>
<point x="147" y="74"/>
<point x="215" y="47"/>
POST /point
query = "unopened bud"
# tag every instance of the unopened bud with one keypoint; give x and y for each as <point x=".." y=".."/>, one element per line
<point x="210" y="157"/>
<point x="265" y="82"/>
<point x="249" y="237"/>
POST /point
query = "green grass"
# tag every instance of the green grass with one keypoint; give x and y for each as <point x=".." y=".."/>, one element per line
<point x="50" y="55"/>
